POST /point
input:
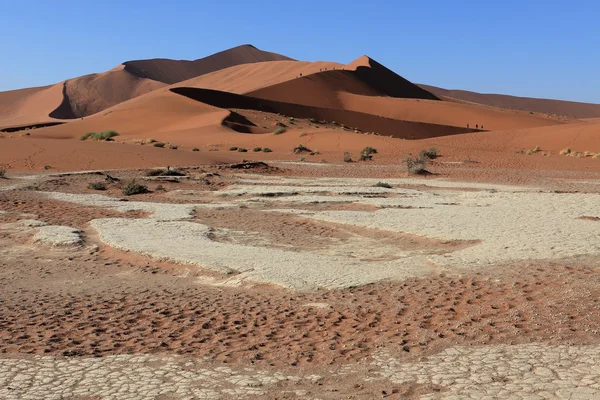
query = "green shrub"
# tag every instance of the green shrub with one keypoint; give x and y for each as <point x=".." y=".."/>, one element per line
<point x="383" y="185"/>
<point x="104" y="135"/>
<point x="279" y="130"/>
<point x="86" y="135"/>
<point x="242" y="150"/>
<point x="266" y="150"/>
<point x="367" y="153"/>
<point x="233" y="148"/>
<point x="431" y="154"/>
<point x="159" y="144"/>
<point x="97" y="186"/>
<point x="173" y="147"/>
<point x="195" y="149"/>
<point x="347" y="157"/>
<point x="257" y="149"/>
<point x="133" y="187"/>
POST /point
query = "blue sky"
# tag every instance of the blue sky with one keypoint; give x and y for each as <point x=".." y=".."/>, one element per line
<point x="533" y="48"/>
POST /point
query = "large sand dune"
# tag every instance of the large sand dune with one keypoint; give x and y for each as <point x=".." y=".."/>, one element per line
<point x="363" y="76"/>
<point x="570" y="109"/>
<point x="173" y="71"/>
<point x="90" y="94"/>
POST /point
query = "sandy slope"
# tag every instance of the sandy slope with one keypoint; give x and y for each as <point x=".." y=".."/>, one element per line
<point x="89" y="94"/>
<point x="248" y="77"/>
<point x="443" y="112"/>
<point x="172" y="71"/>
<point x="29" y="106"/>
<point x="570" y="109"/>
<point x="363" y="76"/>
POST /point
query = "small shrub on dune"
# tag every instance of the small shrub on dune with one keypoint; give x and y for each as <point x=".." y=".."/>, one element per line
<point x="416" y="165"/>
<point x="233" y="148"/>
<point x="431" y="154"/>
<point x="266" y="150"/>
<point x="97" y="186"/>
<point x="314" y="152"/>
<point x="303" y="134"/>
<point x="565" y="152"/>
<point x="242" y="150"/>
<point x="301" y="149"/>
<point x="279" y="130"/>
<point x="257" y="149"/>
<point x="159" y="144"/>
<point x="133" y="188"/>
<point x="347" y="157"/>
<point x="367" y="153"/>
<point x="104" y="135"/>
<point x="85" y="136"/>
<point x="596" y="156"/>
<point x="195" y="149"/>
<point x="173" y="147"/>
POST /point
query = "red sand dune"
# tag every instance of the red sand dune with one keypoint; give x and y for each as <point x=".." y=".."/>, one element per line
<point x="90" y="94"/>
<point x="362" y="121"/>
<point x="29" y="106"/>
<point x="248" y="77"/>
<point x="444" y="112"/>
<point x="569" y="109"/>
<point x="173" y="71"/>
<point x="364" y="76"/>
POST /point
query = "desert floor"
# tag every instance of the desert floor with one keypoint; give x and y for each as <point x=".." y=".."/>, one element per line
<point x="301" y="280"/>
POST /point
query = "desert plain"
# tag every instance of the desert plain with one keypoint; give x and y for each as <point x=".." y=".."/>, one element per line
<point x="248" y="226"/>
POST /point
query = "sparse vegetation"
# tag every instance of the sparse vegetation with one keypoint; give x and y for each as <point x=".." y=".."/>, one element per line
<point x="173" y="147"/>
<point x="347" y="157"/>
<point x="133" y="188"/>
<point x="565" y="152"/>
<point x="104" y="135"/>
<point x="301" y="149"/>
<point x="97" y="186"/>
<point x="164" y="172"/>
<point x="367" y="153"/>
<point x="383" y="185"/>
<point x="233" y="148"/>
<point x="431" y="154"/>
<point x="313" y="120"/>
<point x="416" y="165"/>
<point x="159" y="144"/>
<point x="160" y="188"/>
<point x="257" y="149"/>
<point x="2" y="173"/>
<point x="242" y="150"/>
<point x="314" y="152"/>
<point x="279" y="130"/>
<point x="266" y="150"/>
<point x="195" y="149"/>
<point x="150" y="140"/>
<point x="303" y="134"/>
<point x="302" y="159"/>
<point x="47" y="167"/>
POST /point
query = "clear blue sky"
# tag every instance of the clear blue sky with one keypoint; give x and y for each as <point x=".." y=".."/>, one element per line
<point x="533" y="48"/>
